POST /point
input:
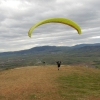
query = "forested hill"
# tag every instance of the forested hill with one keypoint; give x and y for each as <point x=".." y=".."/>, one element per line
<point x="84" y="48"/>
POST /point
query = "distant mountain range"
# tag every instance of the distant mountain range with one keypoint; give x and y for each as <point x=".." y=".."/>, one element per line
<point x="57" y="49"/>
<point x="84" y="45"/>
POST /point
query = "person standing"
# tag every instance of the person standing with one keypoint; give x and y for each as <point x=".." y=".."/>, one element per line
<point x="58" y="64"/>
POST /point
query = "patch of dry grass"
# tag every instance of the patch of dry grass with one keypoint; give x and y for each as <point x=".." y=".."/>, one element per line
<point x="28" y="83"/>
<point x="36" y="83"/>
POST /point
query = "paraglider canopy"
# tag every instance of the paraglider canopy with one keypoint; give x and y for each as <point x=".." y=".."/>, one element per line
<point x="56" y="20"/>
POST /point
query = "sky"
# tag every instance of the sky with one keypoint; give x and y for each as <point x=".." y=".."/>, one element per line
<point x="17" y="16"/>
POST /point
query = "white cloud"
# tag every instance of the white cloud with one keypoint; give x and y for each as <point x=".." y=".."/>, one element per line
<point x="17" y="16"/>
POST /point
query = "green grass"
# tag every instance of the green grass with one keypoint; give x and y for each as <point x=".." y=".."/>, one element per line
<point x="32" y="96"/>
<point x="79" y="85"/>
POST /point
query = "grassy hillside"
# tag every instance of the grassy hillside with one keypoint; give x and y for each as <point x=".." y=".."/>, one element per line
<point x="47" y="83"/>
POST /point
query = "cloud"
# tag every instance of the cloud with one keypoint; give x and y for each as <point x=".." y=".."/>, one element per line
<point x="17" y="16"/>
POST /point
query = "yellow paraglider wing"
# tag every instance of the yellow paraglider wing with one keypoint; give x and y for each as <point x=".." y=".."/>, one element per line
<point x="56" y="20"/>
